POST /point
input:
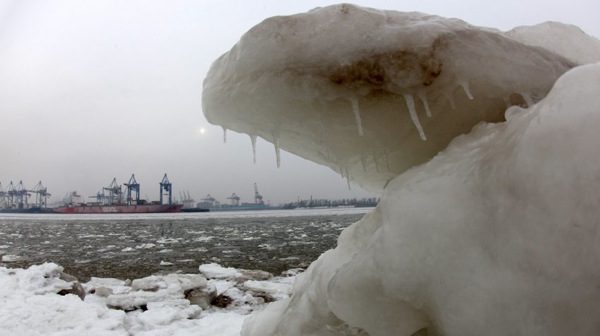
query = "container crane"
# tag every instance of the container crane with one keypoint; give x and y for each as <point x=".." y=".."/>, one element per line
<point x="186" y="199"/>
<point x="11" y="194"/>
<point x="22" y="196"/>
<point x="115" y="193"/>
<point x="41" y="195"/>
<point x="258" y="199"/>
<point x="2" y="197"/>
<point x="166" y="186"/>
<point x="235" y="199"/>
<point x="133" y="187"/>
<point x="100" y="197"/>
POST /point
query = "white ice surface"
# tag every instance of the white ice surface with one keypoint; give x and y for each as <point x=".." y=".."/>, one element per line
<point x="352" y="88"/>
<point x="497" y="235"/>
<point x="566" y="40"/>
<point x="30" y="305"/>
<point x="216" y="271"/>
<point x="491" y="230"/>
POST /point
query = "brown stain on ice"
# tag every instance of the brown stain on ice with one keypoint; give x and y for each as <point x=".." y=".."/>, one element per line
<point x="389" y="71"/>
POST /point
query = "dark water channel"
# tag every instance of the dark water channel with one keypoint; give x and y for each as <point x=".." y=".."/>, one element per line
<point x="134" y="247"/>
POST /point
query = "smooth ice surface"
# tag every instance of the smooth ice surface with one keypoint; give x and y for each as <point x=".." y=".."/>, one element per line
<point x="307" y="82"/>
<point x="566" y="40"/>
<point x="486" y="231"/>
<point x="216" y="271"/>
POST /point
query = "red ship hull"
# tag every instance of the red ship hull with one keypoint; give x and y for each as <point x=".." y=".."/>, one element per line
<point x="103" y="209"/>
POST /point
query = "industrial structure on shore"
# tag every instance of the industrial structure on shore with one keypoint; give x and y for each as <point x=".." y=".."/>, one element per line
<point x="212" y="204"/>
<point x="17" y="199"/>
<point x="122" y="199"/>
<point x="112" y="199"/>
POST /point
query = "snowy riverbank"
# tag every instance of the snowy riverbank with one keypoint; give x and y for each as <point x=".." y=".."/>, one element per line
<point x="42" y="300"/>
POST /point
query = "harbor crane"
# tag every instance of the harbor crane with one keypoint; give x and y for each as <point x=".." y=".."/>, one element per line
<point x="115" y="193"/>
<point x="11" y="194"/>
<point x="258" y="199"/>
<point x="235" y="199"/>
<point x="166" y="188"/>
<point x="18" y="197"/>
<point x="2" y="197"/>
<point x="100" y="197"/>
<point x="133" y="187"/>
<point x="41" y="195"/>
<point x="210" y="201"/>
<point x="22" y="196"/>
<point x="186" y="199"/>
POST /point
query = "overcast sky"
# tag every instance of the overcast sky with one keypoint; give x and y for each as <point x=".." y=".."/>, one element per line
<point x="91" y="90"/>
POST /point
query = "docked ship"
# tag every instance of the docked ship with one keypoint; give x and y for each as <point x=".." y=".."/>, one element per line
<point x="118" y="199"/>
<point x="117" y="208"/>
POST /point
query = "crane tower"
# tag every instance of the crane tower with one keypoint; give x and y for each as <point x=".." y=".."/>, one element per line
<point x="258" y="199"/>
<point x="166" y="188"/>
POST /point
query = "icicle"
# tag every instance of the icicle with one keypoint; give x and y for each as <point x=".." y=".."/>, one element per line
<point x="348" y="179"/>
<point x="363" y="160"/>
<point x="423" y="98"/>
<point x="465" y="86"/>
<point x="410" y="102"/>
<point x="376" y="163"/>
<point x="451" y="101"/>
<point x="224" y="134"/>
<point x="357" y="118"/>
<point x="528" y="99"/>
<point x="387" y="160"/>
<point x="277" y="151"/>
<point x="253" y="140"/>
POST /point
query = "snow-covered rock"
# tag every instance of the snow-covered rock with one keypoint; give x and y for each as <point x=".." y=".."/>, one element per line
<point x="216" y="271"/>
<point x="182" y="304"/>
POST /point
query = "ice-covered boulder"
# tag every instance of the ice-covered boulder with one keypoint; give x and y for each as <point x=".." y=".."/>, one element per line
<point x="492" y="231"/>
<point x="371" y="93"/>
<point x="497" y="235"/>
<point x="158" y="288"/>
<point x="216" y="271"/>
<point x="202" y="296"/>
<point x="76" y="287"/>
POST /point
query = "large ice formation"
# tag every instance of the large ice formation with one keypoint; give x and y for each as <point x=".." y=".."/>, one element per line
<point x="360" y="90"/>
<point x="489" y="220"/>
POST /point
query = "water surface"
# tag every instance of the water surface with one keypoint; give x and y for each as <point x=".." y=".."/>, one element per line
<point x="135" y="246"/>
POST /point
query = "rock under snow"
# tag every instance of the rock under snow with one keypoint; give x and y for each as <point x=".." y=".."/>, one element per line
<point x="30" y="304"/>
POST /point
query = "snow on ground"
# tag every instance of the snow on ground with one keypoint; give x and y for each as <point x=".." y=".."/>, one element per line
<point x="33" y="302"/>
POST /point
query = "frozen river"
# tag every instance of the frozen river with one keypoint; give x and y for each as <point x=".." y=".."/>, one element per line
<point x="135" y="246"/>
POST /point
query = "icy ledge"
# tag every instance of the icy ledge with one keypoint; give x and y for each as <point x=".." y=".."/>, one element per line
<point x="371" y="93"/>
<point x="497" y="235"/>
